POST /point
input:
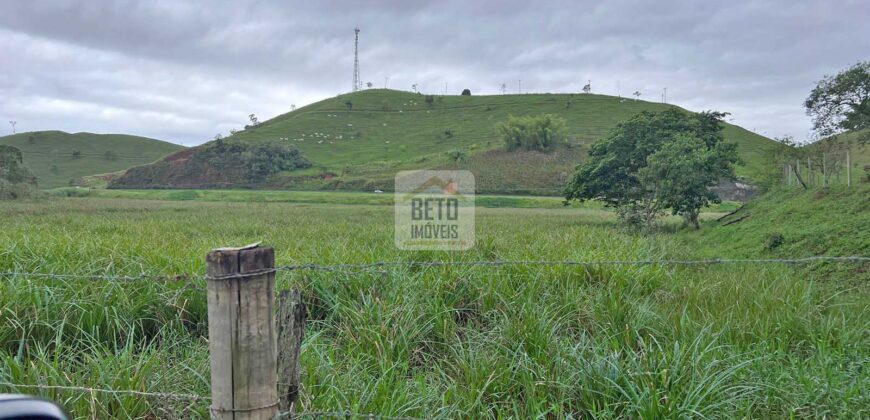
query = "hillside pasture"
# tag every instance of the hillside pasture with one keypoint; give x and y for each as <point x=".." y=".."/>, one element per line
<point x="384" y="131"/>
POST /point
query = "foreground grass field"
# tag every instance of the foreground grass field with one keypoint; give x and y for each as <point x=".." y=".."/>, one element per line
<point x="449" y="342"/>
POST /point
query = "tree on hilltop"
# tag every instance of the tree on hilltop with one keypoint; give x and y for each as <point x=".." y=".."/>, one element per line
<point x="841" y="102"/>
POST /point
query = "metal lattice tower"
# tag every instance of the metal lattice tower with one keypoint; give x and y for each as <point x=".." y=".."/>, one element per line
<point x="357" y="84"/>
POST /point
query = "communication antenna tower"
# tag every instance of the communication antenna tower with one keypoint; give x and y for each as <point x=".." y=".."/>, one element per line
<point x="356" y="81"/>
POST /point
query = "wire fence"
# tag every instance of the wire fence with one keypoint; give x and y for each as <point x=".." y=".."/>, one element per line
<point x="429" y="264"/>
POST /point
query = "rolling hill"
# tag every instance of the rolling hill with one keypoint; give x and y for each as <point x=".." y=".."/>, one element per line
<point x="50" y="154"/>
<point x="358" y="141"/>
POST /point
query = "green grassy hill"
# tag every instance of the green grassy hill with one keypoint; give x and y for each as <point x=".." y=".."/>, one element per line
<point x="49" y="154"/>
<point x="793" y="223"/>
<point x="360" y="140"/>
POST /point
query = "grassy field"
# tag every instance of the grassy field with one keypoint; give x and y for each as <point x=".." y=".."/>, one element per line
<point x="49" y="154"/>
<point x="386" y="131"/>
<point x="449" y="342"/>
<point x="332" y="197"/>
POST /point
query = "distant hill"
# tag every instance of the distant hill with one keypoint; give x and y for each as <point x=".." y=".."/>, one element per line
<point x="52" y="158"/>
<point x="358" y="141"/>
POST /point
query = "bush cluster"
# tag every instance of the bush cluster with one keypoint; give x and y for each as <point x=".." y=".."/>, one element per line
<point x="253" y="161"/>
<point x="533" y="132"/>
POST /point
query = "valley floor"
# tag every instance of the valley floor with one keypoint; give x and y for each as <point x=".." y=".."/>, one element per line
<point x="747" y="340"/>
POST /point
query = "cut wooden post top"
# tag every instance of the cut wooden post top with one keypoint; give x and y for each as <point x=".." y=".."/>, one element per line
<point x="249" y="246"/>
<point x="230" y="261"/>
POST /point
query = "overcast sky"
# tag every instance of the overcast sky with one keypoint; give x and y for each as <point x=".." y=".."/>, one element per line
<point x="184" y="71"/>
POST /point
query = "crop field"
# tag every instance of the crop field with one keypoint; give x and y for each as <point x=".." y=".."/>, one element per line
<point x="522" y="341"/>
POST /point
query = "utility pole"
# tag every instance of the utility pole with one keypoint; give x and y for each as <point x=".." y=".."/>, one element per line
<point x="665" y="96"/>
<point x="386" y="78"/>
<point x="520" y="86"/>
<point x="445" y="88"/>
<point x="12" y="123"/>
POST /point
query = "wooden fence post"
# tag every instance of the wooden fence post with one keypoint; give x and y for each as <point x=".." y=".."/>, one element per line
<point x="242" y="340"/>
<point x="291" y="331"/>
<point x="848" y="169"/>
<point x="825" y="168"/>
<point x="811" y="178"/>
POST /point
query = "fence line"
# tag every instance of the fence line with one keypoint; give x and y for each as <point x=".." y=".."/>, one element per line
<point x="426" y="264"/>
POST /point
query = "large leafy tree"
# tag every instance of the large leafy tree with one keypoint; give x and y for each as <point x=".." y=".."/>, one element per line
<point x="12" y="167"/>
<point x="842" y="102"/>
<point x="15" y="179"/>
<point x="657" y="161"/>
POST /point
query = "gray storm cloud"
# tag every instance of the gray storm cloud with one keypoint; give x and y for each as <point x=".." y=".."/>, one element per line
<point x="184" y="71"/>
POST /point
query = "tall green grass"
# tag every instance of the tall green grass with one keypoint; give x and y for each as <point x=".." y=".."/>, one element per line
<point x="444" y="342"/>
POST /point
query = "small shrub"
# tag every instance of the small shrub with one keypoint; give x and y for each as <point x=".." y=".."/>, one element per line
<point x="638" y="217"/>
<point x="457" y="155"/>
<point x="773" y="241"/>
<point x="430" y="100"/>
<point x="76" y="154"/>
<point x="448" y="133"/>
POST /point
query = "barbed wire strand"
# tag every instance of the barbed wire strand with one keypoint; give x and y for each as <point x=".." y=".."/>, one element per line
<point x="341" y="414"/>
<point x="109" y="277"/>
<point x="493" y="263"/>
<point x="496" y="263"/>
<point x="242" y="410"/>
<point x="159" y="395"/>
